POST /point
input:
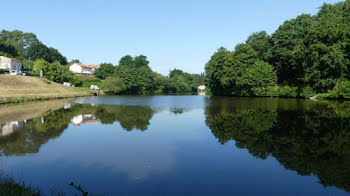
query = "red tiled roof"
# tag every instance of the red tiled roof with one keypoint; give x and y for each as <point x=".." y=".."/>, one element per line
<point x="82" y="65"/>
<point x="89" y="121"/>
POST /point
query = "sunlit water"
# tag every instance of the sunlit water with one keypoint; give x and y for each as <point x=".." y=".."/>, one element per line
<point x="180" y="145"/>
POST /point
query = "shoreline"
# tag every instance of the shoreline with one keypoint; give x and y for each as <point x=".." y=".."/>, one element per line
<point x="17" y="89"/>
<point x="30" y="98"/>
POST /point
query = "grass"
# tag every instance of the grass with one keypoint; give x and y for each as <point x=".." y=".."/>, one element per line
<point x="9" y="187"/>
<point x="15" y="89"/>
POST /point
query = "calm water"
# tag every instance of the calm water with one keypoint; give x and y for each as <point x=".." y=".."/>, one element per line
<point x="180" y="145"/>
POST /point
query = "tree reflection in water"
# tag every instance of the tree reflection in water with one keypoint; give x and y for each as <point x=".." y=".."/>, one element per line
<point x="304" y="136"/>
<point x="28" y="135"/>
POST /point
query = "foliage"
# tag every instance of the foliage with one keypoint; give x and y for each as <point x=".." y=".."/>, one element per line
<point x="104" y="71"/>
<point x="3" y="71"/>
<point x="113" y="85"/>
<point x="134" y="76"/>
<point x="308" y="140"/>
<point x="55" y="72"/>
<point x="308" y="52"/>
<point x="341" y="90"/>
<point x="307" y="92"/>
<point x="86" y="83"/>
<point x="27" y="46"/>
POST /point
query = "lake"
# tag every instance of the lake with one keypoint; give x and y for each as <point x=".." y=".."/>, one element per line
<point x="179" y="145"/>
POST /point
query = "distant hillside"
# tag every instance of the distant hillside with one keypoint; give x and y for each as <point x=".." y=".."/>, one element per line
<point x="26" y="88"/>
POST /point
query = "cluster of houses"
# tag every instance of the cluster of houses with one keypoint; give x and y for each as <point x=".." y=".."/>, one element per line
<point x="14" y="66"/>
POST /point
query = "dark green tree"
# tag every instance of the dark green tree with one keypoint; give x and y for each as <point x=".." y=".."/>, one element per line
<point x="105" y="70"/>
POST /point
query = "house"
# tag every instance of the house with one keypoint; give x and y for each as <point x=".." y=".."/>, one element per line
<point x="12" y="65"/>
<point x="83" y="69"/>
<point x="84" y="118"/>
<point x="10" y="127"/>
<point x="201" y="87"/>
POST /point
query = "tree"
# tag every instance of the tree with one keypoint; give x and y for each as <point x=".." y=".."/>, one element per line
<point x="21" y="41"/>
<point x="135" y="74"/>
<point x="9" y="49"/>
<point x="104" y="71"/>
<point x="214" y="70"/>
<point x="260" y="42"/>
<point x="126" y="60"/>
<point x="55" y="71"/>
<point x="261" y="75"/>
<point x="113" y="85"/>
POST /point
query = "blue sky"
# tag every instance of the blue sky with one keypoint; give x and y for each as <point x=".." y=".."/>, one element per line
<point x="179" y="34"/>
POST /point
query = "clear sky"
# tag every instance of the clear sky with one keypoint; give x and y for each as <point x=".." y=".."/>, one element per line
<point x="179" y="34"/>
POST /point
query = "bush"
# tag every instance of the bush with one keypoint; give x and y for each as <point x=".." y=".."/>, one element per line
<point x="288" y="91"/>
<point x="88" y="82"/>
<point x="307" y="92"/>
<point x="113" y="85"/>
<point x="2" y="71"/>
<point x="341" y="90"/>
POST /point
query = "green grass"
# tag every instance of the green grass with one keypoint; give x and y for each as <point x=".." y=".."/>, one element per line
<point x="9" y="187"/>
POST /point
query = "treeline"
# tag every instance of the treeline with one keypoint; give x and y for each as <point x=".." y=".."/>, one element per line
<point x="134" y="76"/>
<point x="131" y="76"/>
<point x="27" y="48"/>
<point x="304" y="56"/>
<point x="36" y="56"/>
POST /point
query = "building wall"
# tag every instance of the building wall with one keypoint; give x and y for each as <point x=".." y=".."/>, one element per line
<point x="75" y="68"/>
<point x="5" y="62"/>
<point x="9" y="64"/>
<point x="15" y="65"/>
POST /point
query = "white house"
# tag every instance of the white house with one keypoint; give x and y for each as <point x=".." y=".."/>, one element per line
<point x="201" y="87"/>
<point x="13" y="65"/>
<point x="10" y="127"/>
<point x="84" y="118"/>
<point x="84" y="69"/>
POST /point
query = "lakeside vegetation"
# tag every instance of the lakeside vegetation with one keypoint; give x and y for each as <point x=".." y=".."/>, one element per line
<point x="132" y="75"/>
<point x="305" y="56"/>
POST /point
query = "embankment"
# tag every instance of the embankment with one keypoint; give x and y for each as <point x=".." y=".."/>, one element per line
<point x="26" y="88"/>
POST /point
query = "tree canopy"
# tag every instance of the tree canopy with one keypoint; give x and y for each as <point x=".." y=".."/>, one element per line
<point x="310" y="51"/>
<point x="27" y="46"/>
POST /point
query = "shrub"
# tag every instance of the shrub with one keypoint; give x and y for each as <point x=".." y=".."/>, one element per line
<point x="341" y="90"/>
<point x="113" y="85"/>
<point x="307" y="92"/>
<point x="288" y="91"/>
<point x="2" y="71"/>
<point x="88" y="82"/>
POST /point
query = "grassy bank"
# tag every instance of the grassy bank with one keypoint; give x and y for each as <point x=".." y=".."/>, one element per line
<point x="29" y="110"/>
<point x="26" y="88"/>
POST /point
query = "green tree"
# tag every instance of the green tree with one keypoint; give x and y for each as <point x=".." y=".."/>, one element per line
<point x="105" y="70"/>
<point x="260" y="42"/>
<point x="55" y="71"/>
<point x="260" y="75"/>
<point x="113" y="85"/>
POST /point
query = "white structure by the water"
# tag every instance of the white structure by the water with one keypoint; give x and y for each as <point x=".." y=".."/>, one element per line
<point x="201" y="87"/>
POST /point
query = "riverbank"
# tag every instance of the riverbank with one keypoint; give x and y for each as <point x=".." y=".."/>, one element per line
<point x="25" y="88"/>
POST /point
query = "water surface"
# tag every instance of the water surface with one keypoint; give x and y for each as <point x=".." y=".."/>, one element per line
<point x="180" y="145"/>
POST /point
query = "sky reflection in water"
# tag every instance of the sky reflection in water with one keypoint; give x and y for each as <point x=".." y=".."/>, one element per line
<point x="152" y="145"/>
